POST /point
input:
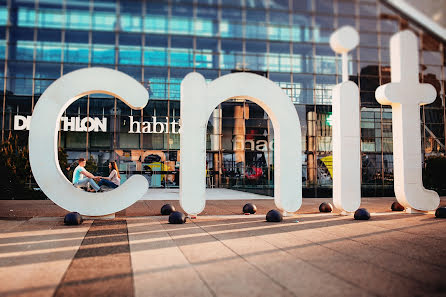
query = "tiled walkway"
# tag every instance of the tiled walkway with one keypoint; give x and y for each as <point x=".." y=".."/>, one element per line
<point x="310" y="254"/>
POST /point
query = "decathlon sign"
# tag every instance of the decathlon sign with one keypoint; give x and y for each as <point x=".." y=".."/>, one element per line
<point x="199" y="99"/>
<point x="75" y="124"/>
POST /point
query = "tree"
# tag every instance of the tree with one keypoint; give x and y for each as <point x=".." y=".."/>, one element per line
<point x="15" y="158"/>
<point x="63" y="163"/>
<point x="15" y="169"/>
<point x="63" y="158"/>
<point x="433" y="174"/>
<point x="91" y="165"/>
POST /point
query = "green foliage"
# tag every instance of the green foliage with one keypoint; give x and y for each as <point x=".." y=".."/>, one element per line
<point x="91" y="165"/>
<point x="15" y="171"/>
<point x="15" y="158"/>
<point x="63" y="158"/>
<point x="63" y="163"/>
<point x="433" y="174"/>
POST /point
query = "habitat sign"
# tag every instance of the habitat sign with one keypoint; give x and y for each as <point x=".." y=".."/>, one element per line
<point x="153" y="127"/>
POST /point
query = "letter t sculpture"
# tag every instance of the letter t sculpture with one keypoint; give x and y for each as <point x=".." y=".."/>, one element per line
<point x="346" y="128"/>
<point x="405" y="94"/>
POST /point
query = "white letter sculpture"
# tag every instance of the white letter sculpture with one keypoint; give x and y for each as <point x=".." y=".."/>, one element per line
<point x="346" y="128"/>
<point x="405" y="94"/>
<point x="199" y="99"/>
<point x="43" y="151"/>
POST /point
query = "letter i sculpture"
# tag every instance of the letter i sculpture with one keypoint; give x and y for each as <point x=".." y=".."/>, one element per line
<point x="346" y="133"/>
<point x="405" y="94"/>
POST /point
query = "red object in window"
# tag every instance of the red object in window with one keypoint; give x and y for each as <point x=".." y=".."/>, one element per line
<point x="253" y="173"/>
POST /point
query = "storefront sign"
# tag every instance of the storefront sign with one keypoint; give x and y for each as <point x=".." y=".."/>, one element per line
<point x="75" y="124"/>
<point x="153" y="127"/>
<point x="89" y="124"/>
<point x="260" y="145"/>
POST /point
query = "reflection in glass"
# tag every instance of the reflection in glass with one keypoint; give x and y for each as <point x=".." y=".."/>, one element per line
<point x="159" y="42"/>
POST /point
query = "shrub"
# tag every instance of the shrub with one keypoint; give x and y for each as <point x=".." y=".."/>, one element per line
<point x="433" y="174"/>
<point x="14" y="169"/>
<point x="91" y="165"/>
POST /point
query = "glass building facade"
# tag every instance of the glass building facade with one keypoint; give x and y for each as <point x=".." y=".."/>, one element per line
<point x="159" y="42"/>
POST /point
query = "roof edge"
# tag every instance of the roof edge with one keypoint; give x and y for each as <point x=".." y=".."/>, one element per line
<point x="418" y="17"/>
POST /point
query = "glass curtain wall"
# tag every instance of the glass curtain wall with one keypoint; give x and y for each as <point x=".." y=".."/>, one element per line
<point x="159" y="42"/>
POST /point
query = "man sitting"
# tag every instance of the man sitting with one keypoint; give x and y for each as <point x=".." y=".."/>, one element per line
<point x="81" y="177"/>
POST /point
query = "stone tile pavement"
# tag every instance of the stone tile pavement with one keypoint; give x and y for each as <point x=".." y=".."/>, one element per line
<point x="222" y="253"/>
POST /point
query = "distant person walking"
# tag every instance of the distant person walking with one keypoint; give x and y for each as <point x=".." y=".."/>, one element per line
<point x="66" y="171"/>
<point x="114" y="179"/>
<point x="81" y="177"/>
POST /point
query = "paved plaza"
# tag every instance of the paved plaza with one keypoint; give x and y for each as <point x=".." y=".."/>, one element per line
<point x="222" y="252"/>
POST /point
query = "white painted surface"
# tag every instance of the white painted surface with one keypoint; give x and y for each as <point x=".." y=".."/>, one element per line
<point x="344" y="39"/>
<point x="346" y="146"/>
<point x="44" y="132"/>
<point x="405" y="94"/>
<point x="346" y="138"/>
<point x="199" y="99"/>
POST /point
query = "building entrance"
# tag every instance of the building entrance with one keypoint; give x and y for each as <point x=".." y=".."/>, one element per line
<point x="240" y="146"/>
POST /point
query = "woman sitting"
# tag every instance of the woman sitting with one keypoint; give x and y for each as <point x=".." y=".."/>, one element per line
<point x="114" y="179"/>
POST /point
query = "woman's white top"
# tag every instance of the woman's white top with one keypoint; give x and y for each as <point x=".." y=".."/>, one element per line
<point x="114" y="177"/>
